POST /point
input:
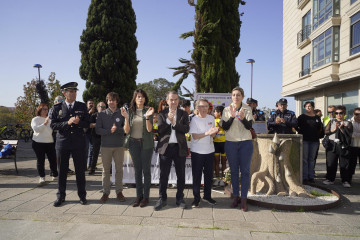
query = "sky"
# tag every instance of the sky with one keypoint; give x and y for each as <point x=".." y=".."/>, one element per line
<point x="48" y="33"/>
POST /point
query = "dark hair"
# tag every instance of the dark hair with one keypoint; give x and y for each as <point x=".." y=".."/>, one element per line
<point x="331" y="106"/>
<point x="113" y="96"/>
<point x="185" y="103"/>
<point x="238" y="89"/>
<point x="341" y="107"/>
<point x="90" y="100"/>
<point x="356" y="109"/>
<point x="317" y="111"/>
<point x="309" y="102"/>
<point x="133" y="102"/>
<point x="40" y="108"/>
<point x="161" y="103"/>
<point x="219" y="109"/>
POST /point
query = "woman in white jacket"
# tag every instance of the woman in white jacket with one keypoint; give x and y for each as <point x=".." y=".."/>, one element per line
<point x="43" y="142"/>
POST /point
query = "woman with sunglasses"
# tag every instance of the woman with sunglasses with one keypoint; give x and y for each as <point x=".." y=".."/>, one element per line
<point x="43" y="142"/>
<point x="339" y="131"/>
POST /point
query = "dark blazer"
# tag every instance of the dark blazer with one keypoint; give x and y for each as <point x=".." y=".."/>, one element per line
<point x="73" y="136"/>
<point x="164" y="129"/>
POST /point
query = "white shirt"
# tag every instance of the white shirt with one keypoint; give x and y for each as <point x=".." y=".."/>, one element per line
<point x="72" y="104"/>
<point x="42" y="132"/>
<point x="355" y="141"/>
<point x="200" y="125"/>
<point x="172" y="138"/>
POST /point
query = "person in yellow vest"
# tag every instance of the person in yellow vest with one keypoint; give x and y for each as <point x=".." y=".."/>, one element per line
<point x="219" y="143"/>
<point x="330" y="116"/>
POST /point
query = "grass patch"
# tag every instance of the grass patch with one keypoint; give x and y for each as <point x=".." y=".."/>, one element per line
<point x="318" y="194"/>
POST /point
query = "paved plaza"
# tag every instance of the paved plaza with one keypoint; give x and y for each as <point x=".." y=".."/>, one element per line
<point x="26" y="212"/>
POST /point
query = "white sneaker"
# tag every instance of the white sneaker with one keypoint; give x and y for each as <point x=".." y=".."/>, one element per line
<point x="54" y="178"/>
<point x="221" y="183"/>
<point x="42" y="180"/>
<point x="216" y="182"/>
<point x="328" y="182"/>
<point x="346" y="185"/>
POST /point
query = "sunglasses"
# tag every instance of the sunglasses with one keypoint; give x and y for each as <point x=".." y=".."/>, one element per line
<point x="339" y="113"/>
<point x="330" y="112"/>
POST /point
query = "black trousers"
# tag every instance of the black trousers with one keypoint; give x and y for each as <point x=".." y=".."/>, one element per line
<point x="172" y="154"/>
<point x="79" y="158"/>
<point x="48" y="149"/>
<point x="202" y="163"/>
<point x="332" y="160"/>
<point x="355" y="155"/>
<point x="96" y="143"/>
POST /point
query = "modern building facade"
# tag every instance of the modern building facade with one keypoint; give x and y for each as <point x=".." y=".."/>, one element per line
<point x="321" y="53"/>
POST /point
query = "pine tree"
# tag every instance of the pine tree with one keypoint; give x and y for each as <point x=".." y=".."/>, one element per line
<point x="108" y="50"/>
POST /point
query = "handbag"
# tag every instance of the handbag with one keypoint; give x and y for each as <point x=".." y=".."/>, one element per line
<point x="326" y="143"/>
<point x="253" y="133"/>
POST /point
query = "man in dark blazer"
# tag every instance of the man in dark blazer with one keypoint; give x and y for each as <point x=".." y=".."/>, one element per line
<point x="173" y="123"/>
<point x="70" y="118"/>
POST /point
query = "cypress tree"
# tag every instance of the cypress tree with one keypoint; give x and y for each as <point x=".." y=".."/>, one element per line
<point x="108" y="50"/>
<point x="216" y="44"/>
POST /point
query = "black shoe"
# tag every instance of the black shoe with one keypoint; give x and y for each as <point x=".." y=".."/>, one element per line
<point x="195" y="204"/>
<point x="58" y="202"/>
<point x="210" y="201"/>
<point x="83" y="201"/>
<point x="91" y="172"/>
<point x="160" y="204"/>
<point x="181" y="204"/>
<point x="70" y="172"/>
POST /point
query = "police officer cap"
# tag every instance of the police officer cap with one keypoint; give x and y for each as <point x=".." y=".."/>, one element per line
<point x="283" y="101"/>
<point x="255" y="101"/>
<point x="250" y="100"/>
<point x="69" y="86"/>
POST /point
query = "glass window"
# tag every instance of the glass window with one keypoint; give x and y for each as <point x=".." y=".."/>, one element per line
<point x="348" y="99"/>
<point x="326" y="48"/>
<point x="303" y="102"/>
<point x="352" y="1"/>
<point x="322" y="10"/>
<point x="305" y="64"/>
<point x="355" y="34"/>
<point x="306" y="25"/>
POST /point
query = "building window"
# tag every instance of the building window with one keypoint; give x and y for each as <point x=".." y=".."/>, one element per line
<point x="326" y="48"/>
<point x="355" y="34"/>
<point x="352" y="1"/>
<point x="305" y="65"/>
<point x="323" y="10"/>
<point x="347" y="99"/>
<point x="306" y="25"/>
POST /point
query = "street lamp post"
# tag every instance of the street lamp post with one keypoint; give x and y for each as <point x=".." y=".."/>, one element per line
<point x="251" y="61"/>
<point x="38" y="66"/>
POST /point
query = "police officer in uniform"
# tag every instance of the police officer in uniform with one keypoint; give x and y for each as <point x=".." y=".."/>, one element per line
<point x="70" y="118"/>
<point x="258" y="115"/>
<point x="282" y="121"/>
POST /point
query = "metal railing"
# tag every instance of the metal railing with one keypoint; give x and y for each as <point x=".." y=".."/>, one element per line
<point x="304" y="72"/>
<point x="303" y="34"/>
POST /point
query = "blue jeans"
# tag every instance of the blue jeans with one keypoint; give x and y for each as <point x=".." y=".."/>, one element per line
<point x="239" y="156"/>
<point x="309" y="153"/>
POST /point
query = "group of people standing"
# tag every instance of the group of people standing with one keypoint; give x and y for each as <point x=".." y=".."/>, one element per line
<point x="114" y="129"/>
<point x="341" y="138"/>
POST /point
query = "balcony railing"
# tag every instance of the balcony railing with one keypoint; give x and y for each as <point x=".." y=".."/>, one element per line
<point x="304" y="72"/>
<point x="303" y="34"/>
